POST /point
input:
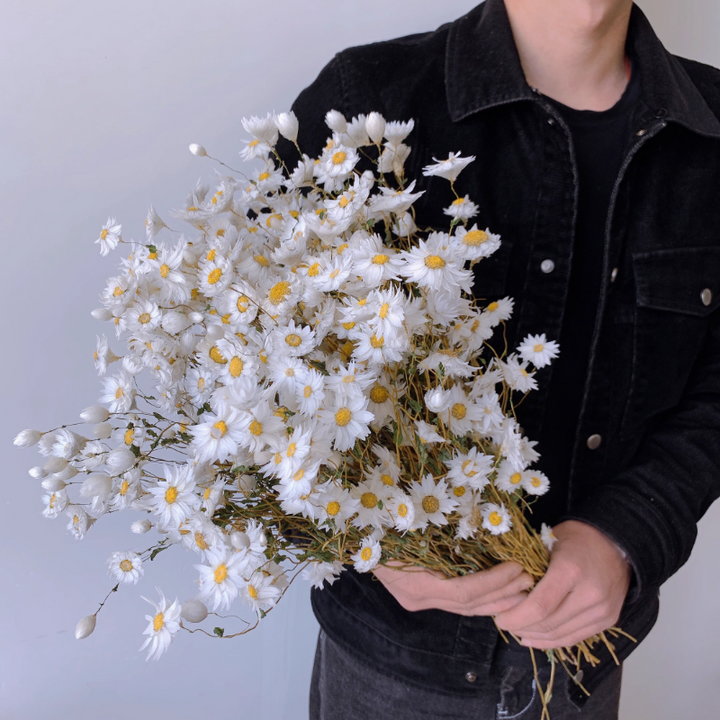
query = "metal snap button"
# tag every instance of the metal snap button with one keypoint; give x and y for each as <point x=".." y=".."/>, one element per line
<point x="640" y="133"/>
<point x="471" y="677"/>
<point x="613" y="274"/>
<point x="551" y="121"/>
<point x="593" y="442"/>
<point x="706" y="296"/>
<point x="660" y="113"/>
<point x="547" y="266"/>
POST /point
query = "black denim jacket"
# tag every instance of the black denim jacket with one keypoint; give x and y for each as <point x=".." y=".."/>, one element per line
<point x="652" y="396"/>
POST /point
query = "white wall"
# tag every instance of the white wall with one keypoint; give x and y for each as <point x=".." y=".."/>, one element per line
<point x="99" y="101"/>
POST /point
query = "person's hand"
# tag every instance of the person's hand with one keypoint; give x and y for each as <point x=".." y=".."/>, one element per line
<point x="483" y="593"/>
<point x="581" y="594"/>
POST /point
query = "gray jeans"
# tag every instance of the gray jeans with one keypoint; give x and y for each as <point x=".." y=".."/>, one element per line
<point x="344" y="687"/>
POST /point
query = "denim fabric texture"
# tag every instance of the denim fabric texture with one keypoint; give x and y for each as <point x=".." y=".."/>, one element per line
<point x="346" y="688"/>
<point x="652" y="393"/>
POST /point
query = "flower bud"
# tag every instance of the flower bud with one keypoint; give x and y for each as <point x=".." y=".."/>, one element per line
<point x="95" y="414"/>
<point x="239" y="540"/>
<point x="198" y="150"/>
<point x="375" y="127"/>
<point x="102" y="431"/>
<point x="55" y="464"/>
<point x="193" y="611"/>
<point x="287" y="124"/>
<point x="26" y="438"/>
<point x="174" y="322"/>
<point x="102" y="314"/>
<point x="85" y="627"/>
<point x="120" y="460"/>
<point x="37" y="472"/>
<point x="140" y="527"/>
<point x="53" y="483"/>
<point x="96" y="485"/>
<point x="67" y="473"/>
<point x="336" y="121"/>
<point x="195" y="317"/>
<point x="215" y="332"/>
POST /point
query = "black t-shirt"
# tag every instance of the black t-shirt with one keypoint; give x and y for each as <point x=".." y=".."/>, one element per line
<point x="599" y="141"/>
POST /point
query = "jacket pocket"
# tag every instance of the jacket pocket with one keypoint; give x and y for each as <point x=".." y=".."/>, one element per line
<point x="676" y="291"/>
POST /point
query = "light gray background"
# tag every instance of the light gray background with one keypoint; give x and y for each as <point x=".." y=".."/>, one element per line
<point x="98" y="103"/>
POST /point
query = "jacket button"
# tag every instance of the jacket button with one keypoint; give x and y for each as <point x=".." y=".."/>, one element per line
<point x="593" y="442"/>
<point x="547" y="266"/>
<point x="551" y="121"/>
<point x="613" y="274"/>
<point x="706" y="296"/>
<point x="471" y="677"/>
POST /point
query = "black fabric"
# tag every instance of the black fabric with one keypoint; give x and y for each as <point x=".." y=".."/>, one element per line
<point x="599" y="140"/>
<point x="652" y="389"/>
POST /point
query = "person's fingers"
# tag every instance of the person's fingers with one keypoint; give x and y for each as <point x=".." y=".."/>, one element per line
<point x="575" y="623"/>
<point x="542" y="602"/>
<point x="566" y="640"/>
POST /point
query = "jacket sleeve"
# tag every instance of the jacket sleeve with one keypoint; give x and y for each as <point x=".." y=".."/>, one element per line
<point x="652" y="507"/>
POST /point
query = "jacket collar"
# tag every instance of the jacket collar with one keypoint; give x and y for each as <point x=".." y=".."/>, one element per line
<point x="483" y="70"/>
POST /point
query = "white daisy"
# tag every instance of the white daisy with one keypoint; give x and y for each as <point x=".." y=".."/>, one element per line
<point x="261" y="591"/>
<point x="402" y="511"/>
<point x="427" y="433"/>
<point x="538" y="350"/>
<point x="260" y="427"/>
<point x="462" y="209"/>
<point x="336" y="504"/>
<point x="55" y="503"/>
<point x="471" y="468"/>
<point x="163" y="627"/>
<point x="125" y="567"/>
<point x="509" y="479"/>
<point x="220" y="578"/>
<point x="294" y="340"/>
<point x="349" y="380"/>
<point x="449" y="168"/>
<point x="547" y="536"/>
<point x="372" y="261"/>
<point x="535" y="482"/>
<point x="372" y="494"/>
<point x="432" y="502"/>
<point x="215" y="276"/>
<point x="174" y="498"/>
<point x="143" y="315"/>
<point x="367" y="556"/>
<point x="309" y="391"/>
<point x="474" y="244"/>
<point x="500" y="310"/>
<point x="103" y="355"/>
<point x="110" y="236"/>
<point x="218" y="436"/>
<point x="153" y="224"/>
<point x="496" y="518"/>
<point x="347" y="420"/>
<point x="516" y="374"/>
<point x="80" y="521"/>
<point x="432" y="265"/>
<point x="118" y="392"/>
<point x="318" y="573"/>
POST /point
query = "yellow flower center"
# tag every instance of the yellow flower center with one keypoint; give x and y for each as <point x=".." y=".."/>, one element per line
<point x="118" y="291"/>
<point x="253" y="143"/>
<point x="333" y="508"/>
<point x="458" y="201"/>
<point x="211" y="255"/>
<point x="252" y="592"/>
<point x="126" y="566"/>
<point x="538" y="347"/>
<point x="384" y="309"/>
<point x="348" y="325"/>
<point x="264" y="176"/>
<point x="430" y="504"/>
<point x="369" y="500"/>
<point x="307" y="392"/>
<point x="262" y="260"/>
<point x="279" y="292"/>
<point x="144" y="318"/>
<point x="465" y="465"/>
<point x="475" y="238"/>
<point x="402" y="510"/>
<point x="379" y="394"/>
<point x="119" y="393"/>
<point x="220" y="573"/>
<point x="377" y="342"/>
<point x="515" y="478"/>
<point x="347" y="348"/>
<point x="535" y="481"/>
<point x="242" y="304"/>
<point x="387" y="480"/>
<point x="459" y="491"/>
<point x="299" y="475"/>
<point x="217" y="356"/>
<point x="434" y="262"/>
<point x="236" y="367"/>
<point x="124" y="487"/>
<point x="171" y="495"/>
<point x="366" y="553"/>
<point x="495" y="518"/>
<point x="158" y="622"/>
<point x="201" y="383"/>
<point x="129" y="436"/>
<point x="255" y="428"/>
<point x="343" y="202"/>
<point x="314" y="270"/>
<point x="293" y="340"/>
<point x="339" y="157"/>
<point x="459" y="411"/>
<point x="221" y="427"/>
<point x="104" y="233"/>
<point x="214" y="276"/>
<point x="200" y="541"/>
<point x="343" y="416"/>
<point x="164" y="270"/>
<point x="380" y="259"/>
<point x="492" y="307"/>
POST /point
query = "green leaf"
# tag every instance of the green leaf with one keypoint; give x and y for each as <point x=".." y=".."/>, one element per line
<point x="440" y="371"/>
<point x="380" y="504"/>
<point x="152" y="248"/>
<point x="157" y="550"/>
<point x="262" y="613"/>
<point x="219" y="631"/>
<point x="158" y="416"/>
<point x="135" y="450"/>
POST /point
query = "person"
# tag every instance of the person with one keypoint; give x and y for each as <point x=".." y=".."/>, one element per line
<point x="598" y="163"/>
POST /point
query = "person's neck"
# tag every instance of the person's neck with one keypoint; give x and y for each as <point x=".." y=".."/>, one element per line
<point x="573" y="50"/>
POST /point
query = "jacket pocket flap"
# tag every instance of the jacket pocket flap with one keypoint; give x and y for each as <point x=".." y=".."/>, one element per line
<point x="683" y="280"/>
